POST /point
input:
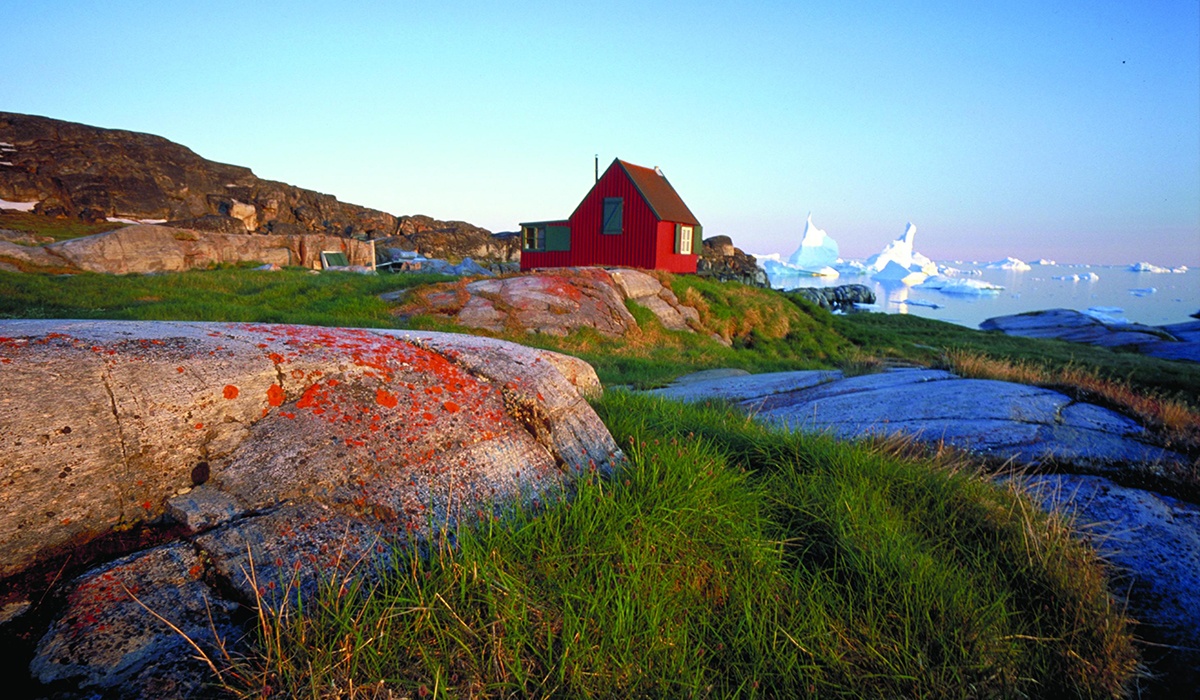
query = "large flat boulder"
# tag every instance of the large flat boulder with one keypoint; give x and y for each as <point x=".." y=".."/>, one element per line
<point x="1176" y="342"/>
<point x="1027" y="424"/>
<point x="281" y="453"/>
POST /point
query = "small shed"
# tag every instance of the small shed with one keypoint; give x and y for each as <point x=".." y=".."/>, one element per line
<point x="632" y="217"/>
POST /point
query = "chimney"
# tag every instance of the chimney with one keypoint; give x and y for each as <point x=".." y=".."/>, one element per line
<point x="596" y="168"/>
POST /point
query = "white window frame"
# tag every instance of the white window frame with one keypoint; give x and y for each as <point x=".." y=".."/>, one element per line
<point x="685" y="240"/>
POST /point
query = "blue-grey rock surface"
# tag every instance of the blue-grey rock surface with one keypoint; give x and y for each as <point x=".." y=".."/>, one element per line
<point x="1180" y="341"/>
<point x="1028" y="424"/>
<point x="1153" y="542"/>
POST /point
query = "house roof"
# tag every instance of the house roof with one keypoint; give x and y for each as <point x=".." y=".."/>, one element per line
<point x="660" y="195"/>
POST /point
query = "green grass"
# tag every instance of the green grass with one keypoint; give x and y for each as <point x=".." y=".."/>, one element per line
<point x="290" y="295"/>
<point x="56" y="228"/>
<point x="726" y="560"/>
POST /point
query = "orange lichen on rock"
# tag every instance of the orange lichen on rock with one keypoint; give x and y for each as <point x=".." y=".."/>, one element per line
<point x="230" y="392"/>
<point x="385" y="399"/>
<point x="275" y="395"/>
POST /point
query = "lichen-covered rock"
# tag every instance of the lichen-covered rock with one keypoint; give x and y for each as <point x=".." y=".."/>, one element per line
<point x="108" y="639"/>
<point x="101" y="422"/>
<point x="556" y="303"/>
<point x="286" y="453"/>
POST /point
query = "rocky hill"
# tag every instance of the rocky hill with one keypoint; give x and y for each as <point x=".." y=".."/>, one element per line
<point x="91" y="173"/>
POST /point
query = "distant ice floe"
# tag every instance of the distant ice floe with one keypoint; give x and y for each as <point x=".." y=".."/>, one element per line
<point x="920" y="302"/>
<point x="1044" y="261"/>
<point x="961" y="286"/>
<point x="1147" y="267"/>
<point x="1009" y="264"/>
<point x="1085" y="277"/>
<point x="1106" y="315"/>
<point x="17" y="206"/>
<point x="1144" y="291"/>
<point x="898" y="262"/>
<point x="948" y="271"/>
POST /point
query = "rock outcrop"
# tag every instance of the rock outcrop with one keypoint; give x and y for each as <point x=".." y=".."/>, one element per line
<point x="279" y="454"/>
<point x="720" y="260"/>
<point x="144" y="248"/>
<point x="555" y="303"/>
<point x="1180" y="341"/>
<point x="1026" y="424"/>
<point x="82" y="171"/>
<point x="840" y="298"/>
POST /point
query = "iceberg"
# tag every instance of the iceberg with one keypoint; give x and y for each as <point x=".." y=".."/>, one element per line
<point x="1009" y="264"/>
<point x="1084" y="277"/>
<point x="1044" y="261"/>
<point x="895" y="272"/>
<point x="815" y="257"/>
<point x="961" y="286"/>
<point x="1147" y="267"/>
<point x="817" y="250"/>
<point x="1144" y="291"/>
<point x="899" y="263"/>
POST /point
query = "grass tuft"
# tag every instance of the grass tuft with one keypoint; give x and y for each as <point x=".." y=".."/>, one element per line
<point x="727" y="559"/>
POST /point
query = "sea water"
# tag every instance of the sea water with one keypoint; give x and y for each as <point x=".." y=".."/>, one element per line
<point x="1142" y="297"/>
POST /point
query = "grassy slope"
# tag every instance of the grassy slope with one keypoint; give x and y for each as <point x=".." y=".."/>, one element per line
<point x="728" y="559"/>
<point x="58" y="229"/>
<point x="824" y="569"/>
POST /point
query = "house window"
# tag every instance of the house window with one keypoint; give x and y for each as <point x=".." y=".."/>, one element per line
<point x="685" y="241"/>
<point x="614" y="211"/>
<point x="533" y="238"/>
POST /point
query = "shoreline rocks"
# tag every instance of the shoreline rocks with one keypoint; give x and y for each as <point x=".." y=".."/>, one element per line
<point x="1180" y="341"/>
<point x="843" y="297"/>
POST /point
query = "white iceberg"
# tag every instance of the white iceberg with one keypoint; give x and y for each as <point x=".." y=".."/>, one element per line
<point x="1009" y="264"/>
<point x="1044" y="261"/>
<point x="817" y="250"/>
<point x="895" y="272"/>
<point x="1084" y="277"/>
<point x="1144" y="291"/>
<point x="783" y="276"/>
<point x="901" y="252"/>
<point x="898" y="262"/>
<point x="850" y="268"/>
<point x="948" y="271"/>
<point x="961" y="286"/>
<point x="1147" y="267"/>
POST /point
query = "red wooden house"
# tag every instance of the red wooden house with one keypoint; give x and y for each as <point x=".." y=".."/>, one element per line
<point x="632" y="217"/>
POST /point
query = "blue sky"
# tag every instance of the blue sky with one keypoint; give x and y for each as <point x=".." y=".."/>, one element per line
<point x="1068" y="130"/>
